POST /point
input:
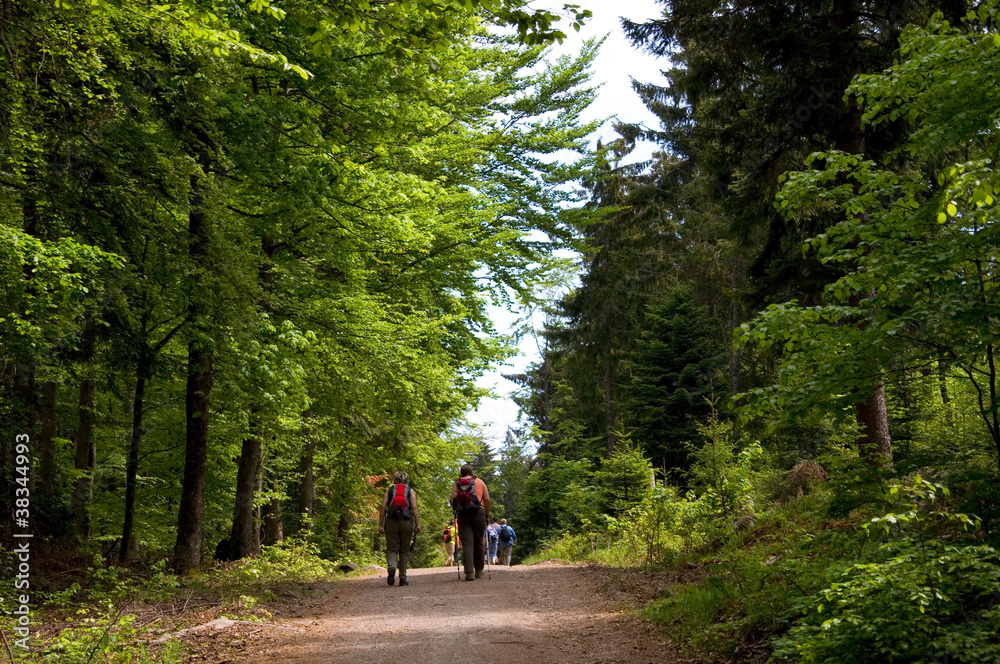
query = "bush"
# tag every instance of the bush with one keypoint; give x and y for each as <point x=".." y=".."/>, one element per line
<point x="925" y="596"/>
<point x="926" y="601"/>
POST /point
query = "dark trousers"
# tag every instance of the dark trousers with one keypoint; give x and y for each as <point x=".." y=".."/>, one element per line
<point x="471" y="528"/>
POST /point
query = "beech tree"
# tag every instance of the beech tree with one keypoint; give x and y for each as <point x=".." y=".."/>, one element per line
<point x="919" y="237"/>
<point x="266" y="213"/>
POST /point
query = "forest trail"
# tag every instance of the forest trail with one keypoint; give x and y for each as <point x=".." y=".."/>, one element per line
<point x="543" y="614"/>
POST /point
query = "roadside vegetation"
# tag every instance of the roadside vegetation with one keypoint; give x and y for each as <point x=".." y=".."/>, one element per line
<point x="866" y="565"/>
<point x="120" y="614"/>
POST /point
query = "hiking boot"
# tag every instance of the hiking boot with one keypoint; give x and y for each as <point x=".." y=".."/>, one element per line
<point x="479" y="573"/>
<point x="470" y="577"/>
<point x="403" y="581"/>
<point x="392" y="576"/>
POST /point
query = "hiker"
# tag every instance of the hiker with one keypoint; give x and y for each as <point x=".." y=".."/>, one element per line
<point x="471" y="501"/>
<point x="399" y="519"/>
<point x="505" y="541"/>
<point x="449" y="542"/>
<point x="491" y="537"/>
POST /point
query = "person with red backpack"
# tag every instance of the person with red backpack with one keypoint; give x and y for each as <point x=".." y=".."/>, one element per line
<point x="399" y="519"/>
<point x="471" y="501"/>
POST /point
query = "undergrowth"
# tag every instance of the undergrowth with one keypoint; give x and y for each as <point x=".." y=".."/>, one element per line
<point x="867" y="568"/>
<point x="109" y="616"/>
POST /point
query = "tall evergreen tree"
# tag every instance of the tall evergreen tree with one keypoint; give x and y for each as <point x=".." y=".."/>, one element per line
<point x="675" y="379"/>
<point x="753" y="89"/>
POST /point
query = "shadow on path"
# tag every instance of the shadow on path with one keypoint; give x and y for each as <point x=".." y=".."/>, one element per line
<point x="535" y="614"/>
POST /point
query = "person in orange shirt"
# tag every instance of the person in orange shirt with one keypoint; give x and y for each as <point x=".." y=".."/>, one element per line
<point x="470" y="498"/>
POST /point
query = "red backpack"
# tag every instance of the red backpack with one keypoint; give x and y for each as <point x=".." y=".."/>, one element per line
<point x="466" y="499"/>
<point x="399" y="502"/>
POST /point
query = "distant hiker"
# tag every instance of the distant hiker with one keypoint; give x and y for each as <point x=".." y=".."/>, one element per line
<point x="471" y="501"/>
<point x="399" y="519"/>
<point x="505" y="541"/>
<point x="448" y="539"/>
<point x="491" y="538"/>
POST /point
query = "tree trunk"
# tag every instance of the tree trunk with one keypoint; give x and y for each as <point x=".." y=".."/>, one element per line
<point x="307" y="489"/>
<point x="609" y="404"/>
<point x="258" y="519"/>
<point x="48" y="482"/>
<point x="187" y="550"/>
<point x="945" y="397"/>
<point x="943" y="382"/>
<point x="84" y="436"/>
<point x="874" y="445"/>
<point x="242" y="542"/>
<point x="81" y="461"/>
<point x="273" y="526"/>
<point x="993" y="422"/>
<point x="244" y="538"/>
<point x="872" y="414"/>
<point x="272" y="515"/>
<point x="344" y="527"/>
<point x="132" y="467"/>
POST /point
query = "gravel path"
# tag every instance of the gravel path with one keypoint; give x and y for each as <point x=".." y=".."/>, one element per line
<point x="539" y="614"/>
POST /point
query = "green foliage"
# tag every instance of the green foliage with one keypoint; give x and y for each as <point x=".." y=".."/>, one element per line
<point x="922" y="600"/>
<point x="285" y="565"/>
<point x="873" y="266"/>
<point x="558" y="498"/>
<point x="724" y="475"/>
<point x="39" y="279"/>
<point x="100" y="621"/>
<point x="673" y="378"/>
<point x="513" y="471"/>
<point x="108" y="636"/>
<point x="922" y="596"/>
<point x="351" y="245"/>
<point x="916" y="241"/>
<point x="663" y="522"/>
<point x="626" y="478"/>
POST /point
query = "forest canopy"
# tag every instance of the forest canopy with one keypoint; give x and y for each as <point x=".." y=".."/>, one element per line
<point x="248" y="251"/>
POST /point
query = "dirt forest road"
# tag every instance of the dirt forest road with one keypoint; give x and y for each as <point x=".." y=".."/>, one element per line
<point x="540" y="614"/>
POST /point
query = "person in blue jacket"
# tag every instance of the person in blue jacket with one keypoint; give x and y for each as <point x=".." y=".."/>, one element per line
<point x="491" y="538"/>
<point x="505" y="541"/>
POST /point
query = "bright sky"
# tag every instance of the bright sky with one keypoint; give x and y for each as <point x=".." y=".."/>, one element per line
<point x="614" y="68"/>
